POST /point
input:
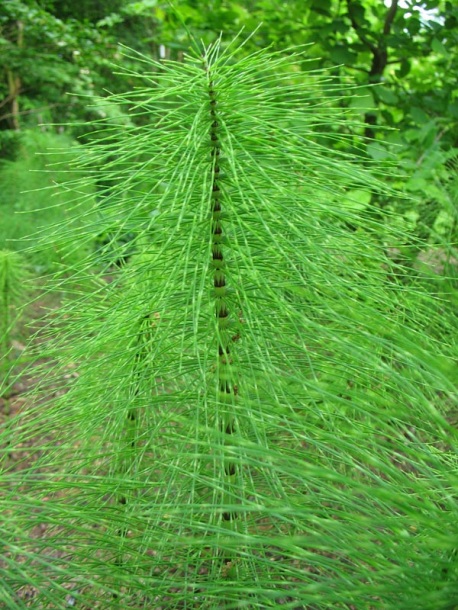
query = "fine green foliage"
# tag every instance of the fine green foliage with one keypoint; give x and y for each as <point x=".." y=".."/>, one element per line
<point x="250" y="411"/>
<point x="13" y="276"/>
<point x="32" y="209"/>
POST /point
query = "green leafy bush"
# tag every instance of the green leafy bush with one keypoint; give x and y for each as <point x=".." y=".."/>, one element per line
<point x="250" y="412"/>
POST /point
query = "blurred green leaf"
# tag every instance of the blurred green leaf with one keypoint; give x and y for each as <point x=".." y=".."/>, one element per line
<point x="386" y="95"/>
<point x="357" y="199"/>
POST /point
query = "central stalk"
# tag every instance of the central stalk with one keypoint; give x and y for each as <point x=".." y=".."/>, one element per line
<point x="227" y="388"/>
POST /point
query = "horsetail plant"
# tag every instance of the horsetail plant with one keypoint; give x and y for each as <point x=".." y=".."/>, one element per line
<point x="129" y="453"/>
<point x="257" y="417"/>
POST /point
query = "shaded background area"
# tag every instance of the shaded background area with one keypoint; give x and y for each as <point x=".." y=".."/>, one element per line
<point x="59" y="61"/>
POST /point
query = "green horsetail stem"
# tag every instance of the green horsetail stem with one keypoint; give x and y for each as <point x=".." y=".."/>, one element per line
<point x="129" y="450"/>
<point x="226" y="382"/>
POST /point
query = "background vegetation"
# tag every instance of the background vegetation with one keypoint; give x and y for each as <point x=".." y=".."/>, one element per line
<point x="57" y="68"/>
<point x="364" y="387"/>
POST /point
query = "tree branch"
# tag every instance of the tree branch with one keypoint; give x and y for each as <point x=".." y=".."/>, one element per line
<point x="390" y="17"/>
<point x="9" y="115"/>
<point x="6" y="100"/>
